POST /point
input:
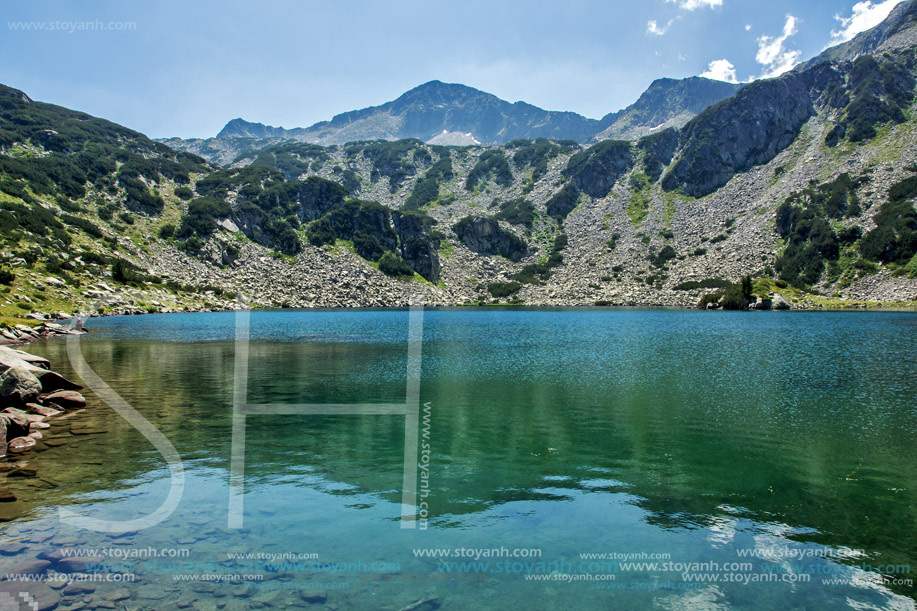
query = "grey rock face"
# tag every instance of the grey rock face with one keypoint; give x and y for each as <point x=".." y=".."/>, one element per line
<point x="418" y="247"/>
<point x="485" y="236"/>
<point x="749" y="129"/>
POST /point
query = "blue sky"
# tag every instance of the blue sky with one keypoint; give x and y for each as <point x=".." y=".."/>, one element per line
<point x="184" y="68"/>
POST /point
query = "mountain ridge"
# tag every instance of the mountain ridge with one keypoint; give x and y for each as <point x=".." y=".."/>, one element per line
<point x="436" y="107"/>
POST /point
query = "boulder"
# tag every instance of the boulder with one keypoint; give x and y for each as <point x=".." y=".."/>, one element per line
<point x="780" y="303"/>
<point x="19" y="386"/>
<point x="7" y="354"/>
<point x="68" y="399"/>
<point x="14" y="424"/>
<point x="51" y="381"/>
<point x="38" y="367"/>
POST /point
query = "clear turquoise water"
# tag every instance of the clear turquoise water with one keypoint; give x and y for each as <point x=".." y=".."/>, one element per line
<point x="771" y="439"/>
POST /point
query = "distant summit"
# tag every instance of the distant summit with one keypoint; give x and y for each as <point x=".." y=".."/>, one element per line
<point x="425" y="113"/>
<point x="666" y="103"/>
<point x="240" y="128"/>
<point x="454" y="114"/>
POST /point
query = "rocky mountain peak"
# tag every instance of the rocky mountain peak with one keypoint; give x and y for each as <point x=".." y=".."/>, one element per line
<point x="240" y="128"/>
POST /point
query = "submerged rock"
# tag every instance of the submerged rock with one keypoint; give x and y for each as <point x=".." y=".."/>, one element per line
<point x="43" y="410"/>
<point x="68" y="399"/>
<point x="17" y="446"/>
<point x="26" y="471"/>
<point x="35" y="567"/>
<point x="313" y="597"/>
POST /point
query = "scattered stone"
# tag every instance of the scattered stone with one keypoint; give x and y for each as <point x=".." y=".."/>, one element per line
<point x="6" y="496"/>
<point x="36" y="435"/>
<point x="56" y="442"/>
<point x="38" y="426"/>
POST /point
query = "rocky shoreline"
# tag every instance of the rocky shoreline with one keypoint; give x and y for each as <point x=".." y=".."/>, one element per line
<point x="35" y="404"/>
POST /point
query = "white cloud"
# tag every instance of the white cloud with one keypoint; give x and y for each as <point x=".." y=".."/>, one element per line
<point x="773" y="55"/>
<point x="865" y="15"/>
<point x="690" y="5"/>
<point x="747" y="28"/>
<point x="654" y="28"/>
<point x="721" y="70"/>
<point x="682" y="57"/>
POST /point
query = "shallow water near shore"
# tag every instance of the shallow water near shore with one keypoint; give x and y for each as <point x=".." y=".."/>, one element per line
<point x="760" y="460"/>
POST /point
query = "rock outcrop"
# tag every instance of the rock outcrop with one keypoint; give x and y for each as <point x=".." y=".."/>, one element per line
<point x="484" y="236"/>
<point x="746" y="130"/>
